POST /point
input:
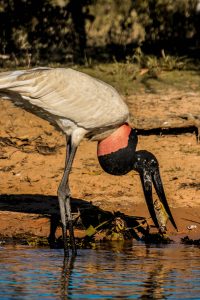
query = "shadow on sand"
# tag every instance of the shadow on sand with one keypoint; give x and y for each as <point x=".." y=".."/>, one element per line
<point x="85" y="214"/>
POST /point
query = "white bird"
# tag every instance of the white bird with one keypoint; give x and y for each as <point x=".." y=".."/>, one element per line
<point x="82" y="106"/>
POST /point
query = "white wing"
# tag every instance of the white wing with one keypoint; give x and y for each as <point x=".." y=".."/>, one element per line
<point x="68" y="94"/>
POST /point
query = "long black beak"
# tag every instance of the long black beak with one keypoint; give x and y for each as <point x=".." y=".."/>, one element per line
<point x="148" y="168"/>
<point x="147" y="189"/>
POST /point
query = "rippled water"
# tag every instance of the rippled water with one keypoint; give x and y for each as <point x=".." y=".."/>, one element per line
<point x="121" y="271"/>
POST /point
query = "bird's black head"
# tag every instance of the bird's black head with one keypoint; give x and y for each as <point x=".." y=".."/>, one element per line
<point x="117" y="156"/>
<point x="116" y="153"/>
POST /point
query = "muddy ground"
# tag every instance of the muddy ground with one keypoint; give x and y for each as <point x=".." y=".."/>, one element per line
<point x="32" y="155"/>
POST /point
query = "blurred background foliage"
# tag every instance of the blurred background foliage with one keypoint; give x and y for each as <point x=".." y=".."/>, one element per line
<point x="80" y="31"/>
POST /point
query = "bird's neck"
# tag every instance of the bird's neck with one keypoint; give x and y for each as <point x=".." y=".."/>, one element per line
<point x="114" y="142"/>
<point x="116" y="153"/>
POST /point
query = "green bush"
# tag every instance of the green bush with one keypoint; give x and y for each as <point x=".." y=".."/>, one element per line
<point x="67" y="31"/>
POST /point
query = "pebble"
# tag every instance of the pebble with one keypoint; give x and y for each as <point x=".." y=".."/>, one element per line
<point x="190" y="227"/>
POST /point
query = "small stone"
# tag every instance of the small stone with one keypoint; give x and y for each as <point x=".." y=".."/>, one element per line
<point x="191" y="227"/>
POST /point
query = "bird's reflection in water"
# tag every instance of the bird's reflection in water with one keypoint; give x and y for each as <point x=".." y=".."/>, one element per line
<point x="67" y="268"/>
<point x="154" y="284"/>
<point x="116" y="271"/>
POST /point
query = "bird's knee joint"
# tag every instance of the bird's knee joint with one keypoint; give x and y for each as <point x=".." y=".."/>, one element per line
<point x="63" y="193"/>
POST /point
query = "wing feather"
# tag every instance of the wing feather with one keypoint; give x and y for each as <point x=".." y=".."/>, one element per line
<point x="68" y="94"/>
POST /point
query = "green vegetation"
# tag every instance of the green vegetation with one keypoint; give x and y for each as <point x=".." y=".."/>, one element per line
<point x="78" y="31"/>
<point x="129" y="78"/>
<point x="141" y="45"/>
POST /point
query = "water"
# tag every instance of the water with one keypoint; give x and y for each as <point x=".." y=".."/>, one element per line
<point x="120" y="271"/>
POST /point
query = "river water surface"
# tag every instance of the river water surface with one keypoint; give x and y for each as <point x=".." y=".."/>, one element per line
<point x="117" y="271"/>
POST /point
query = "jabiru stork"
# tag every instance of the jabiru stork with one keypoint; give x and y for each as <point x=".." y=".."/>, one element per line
<point x="85" y="107"/>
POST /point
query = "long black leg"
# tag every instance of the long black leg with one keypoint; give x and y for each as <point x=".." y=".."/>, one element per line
<point x="64" y="198"/>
